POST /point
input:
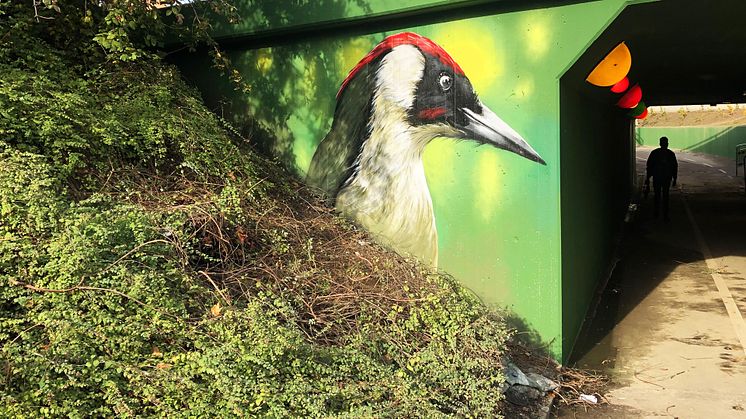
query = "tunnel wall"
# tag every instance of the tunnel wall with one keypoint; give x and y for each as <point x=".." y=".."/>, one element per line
<point x="717" y="140"/>
<point x="596" y="150"/>
<point x="497" y="214"/>
<point x="274" y="17"/>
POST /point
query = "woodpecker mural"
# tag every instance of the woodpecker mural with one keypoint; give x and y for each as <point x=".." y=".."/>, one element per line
<point x="401" y="95"/>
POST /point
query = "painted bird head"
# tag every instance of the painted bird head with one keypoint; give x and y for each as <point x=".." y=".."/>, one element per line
<point x="401" y="95"/>
<point x="410" y="77"/>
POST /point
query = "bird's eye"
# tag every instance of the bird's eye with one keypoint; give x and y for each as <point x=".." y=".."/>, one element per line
<point x="445" y="82"/>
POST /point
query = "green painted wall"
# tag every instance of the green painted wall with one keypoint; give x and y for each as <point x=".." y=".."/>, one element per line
<point x="596" y="152"/>
<point x="498" y="215"/>
<point x="718" y="140"/>
<point x="276" y="15"/>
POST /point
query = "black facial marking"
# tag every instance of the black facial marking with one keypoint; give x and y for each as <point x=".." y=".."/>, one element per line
<point x="441" y="94"/>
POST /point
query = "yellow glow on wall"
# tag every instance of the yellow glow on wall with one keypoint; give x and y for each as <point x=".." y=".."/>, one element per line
<point x="474" y="49"/>
<point x="308" y="84"/>
<point x="303" y="147"/>
<point x="525" y="88"/>
<point x="305" y="121"/>
<point x="537" y="37"/>
<point x="351" y="53"/>
<point x="487" y="176"/>
<point x="439" y="161"/>
<point x="264" y="60"/>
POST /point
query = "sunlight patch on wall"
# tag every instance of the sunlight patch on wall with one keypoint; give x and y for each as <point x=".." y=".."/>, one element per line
<point x="351" y="53"/>
<point x="305" y="122"/>
<point x="488" y="181"/>
<point x="473" y="46"/>
<point x="524" y="88"/>
<point x="439" y="160"/>
<point x="264" y="60"/>
<point x="305" y="87"/>
<point x="537" y="36"/>
<point x="303" y="147"/>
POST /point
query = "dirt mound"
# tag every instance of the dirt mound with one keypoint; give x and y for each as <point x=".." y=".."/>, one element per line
<point x="688" y="116"/>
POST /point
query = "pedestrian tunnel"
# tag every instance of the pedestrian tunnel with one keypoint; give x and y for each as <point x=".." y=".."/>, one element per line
<point x="685" y="53"/>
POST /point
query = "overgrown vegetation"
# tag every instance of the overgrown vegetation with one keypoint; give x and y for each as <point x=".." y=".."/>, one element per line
<point x="152" y="265"/>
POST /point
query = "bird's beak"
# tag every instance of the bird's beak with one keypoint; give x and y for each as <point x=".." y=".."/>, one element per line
<point x="488" y="128"/>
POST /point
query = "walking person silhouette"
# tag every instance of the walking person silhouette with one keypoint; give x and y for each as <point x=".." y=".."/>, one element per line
<point x="663" y="168"/>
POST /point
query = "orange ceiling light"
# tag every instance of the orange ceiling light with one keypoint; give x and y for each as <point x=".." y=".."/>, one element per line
<point x="613" y="68"/>
<point x="631" y="98"/>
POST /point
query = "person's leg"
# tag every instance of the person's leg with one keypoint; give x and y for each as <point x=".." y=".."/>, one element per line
<point x="657" y="184"/>
<point x="666" y="185"/>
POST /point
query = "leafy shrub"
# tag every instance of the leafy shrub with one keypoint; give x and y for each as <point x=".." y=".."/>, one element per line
<point x="152" y="265"/>
<point x="103" y="314"/>
<point x="141" y="114"/>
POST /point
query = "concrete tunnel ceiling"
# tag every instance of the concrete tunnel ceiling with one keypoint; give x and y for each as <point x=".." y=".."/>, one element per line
<point x="683" y="51"/>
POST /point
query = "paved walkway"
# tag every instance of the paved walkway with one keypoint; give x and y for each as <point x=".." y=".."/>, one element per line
<point x="670" y="328"/>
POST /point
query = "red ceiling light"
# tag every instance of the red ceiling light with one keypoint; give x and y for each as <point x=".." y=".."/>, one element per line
<point x="643" y="115"/>
<point x="638" y="110"/>
<point x="621" y="86"/>
<point x="631" y="98"/>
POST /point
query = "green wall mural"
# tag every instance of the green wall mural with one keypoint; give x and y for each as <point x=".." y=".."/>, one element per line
<point x="403" y="94"/>
<point x="496" y="213"/>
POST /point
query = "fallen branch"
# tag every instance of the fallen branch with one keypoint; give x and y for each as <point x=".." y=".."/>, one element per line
<point x="649" y="382"/>
<point x="219" y="291"/>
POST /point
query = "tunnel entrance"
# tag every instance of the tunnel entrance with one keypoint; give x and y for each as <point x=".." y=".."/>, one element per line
<point x="667" y="323"/>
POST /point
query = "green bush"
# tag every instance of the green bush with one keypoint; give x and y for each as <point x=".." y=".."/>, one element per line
<point x="132" y="332"/>
<point x="141" y="114"/>
<point x="152" y="265"/>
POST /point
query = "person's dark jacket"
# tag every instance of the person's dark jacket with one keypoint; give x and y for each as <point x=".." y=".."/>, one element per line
<point x="662" y="164"/>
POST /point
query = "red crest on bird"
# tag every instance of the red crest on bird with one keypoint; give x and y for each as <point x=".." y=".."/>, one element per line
<point x="404" y="38"/>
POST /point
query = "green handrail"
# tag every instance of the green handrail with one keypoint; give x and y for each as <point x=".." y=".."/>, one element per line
<point x="740" y="151"/>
